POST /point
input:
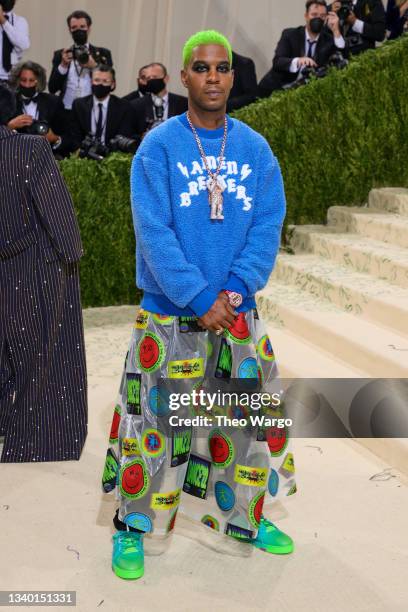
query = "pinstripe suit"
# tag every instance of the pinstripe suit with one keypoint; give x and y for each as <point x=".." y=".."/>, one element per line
<point x="43" y="406"/>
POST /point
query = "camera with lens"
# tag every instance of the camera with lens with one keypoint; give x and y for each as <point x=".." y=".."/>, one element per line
<point x="345" y="10"/>
<point x="93" y="148"/>
<point x="80" y="53"/>
<point x="336" y="60"/>
<point x="123" y="144"/>
<point x="158" y="112"/>
<point x="38" y="128"/>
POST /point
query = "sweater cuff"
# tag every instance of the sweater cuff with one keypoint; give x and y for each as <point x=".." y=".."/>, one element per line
<point x="202" y="302"/>
<point x="235" y="284"/>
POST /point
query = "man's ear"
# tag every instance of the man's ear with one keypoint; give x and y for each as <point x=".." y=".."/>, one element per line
<point x="183" y="76"/>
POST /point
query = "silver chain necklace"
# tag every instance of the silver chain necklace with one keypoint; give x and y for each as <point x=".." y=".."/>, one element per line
<point x="215" y="190"/>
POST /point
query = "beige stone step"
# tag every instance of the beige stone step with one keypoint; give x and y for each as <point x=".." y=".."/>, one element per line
<point x="392" y="199"/>
<point x="389" y="263"/>
<point x="298" y="358"/>
<point x="356" y="293"/>
<point x="378" y="225"/>
<point x="364" y="346"/>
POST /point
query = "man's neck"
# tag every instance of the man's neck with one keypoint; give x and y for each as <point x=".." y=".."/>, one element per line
<point x="209" y="120"/>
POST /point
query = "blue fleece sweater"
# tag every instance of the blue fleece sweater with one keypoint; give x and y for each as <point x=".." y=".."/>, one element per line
<point x="183" y="259"/>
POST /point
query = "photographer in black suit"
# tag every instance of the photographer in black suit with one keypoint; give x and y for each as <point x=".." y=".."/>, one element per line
<point x="141" y="86"/>
<point x="71" y="67"/>
<point x="38" y="113"/>
<point x="310" y="45"/>
<point x="157" y="104"/>
<point x="364" y="23"/>
<point x="101" y="114"/>
<point x="245" y="88"/>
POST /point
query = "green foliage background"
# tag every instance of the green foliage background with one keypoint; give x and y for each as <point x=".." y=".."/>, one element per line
<point x="335" y="139"/>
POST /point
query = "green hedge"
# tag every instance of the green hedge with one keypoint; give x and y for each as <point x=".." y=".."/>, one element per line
<point x="335" y="139"/>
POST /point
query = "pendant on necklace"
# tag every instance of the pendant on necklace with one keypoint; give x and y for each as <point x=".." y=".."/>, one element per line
<point x="216" y="199"/>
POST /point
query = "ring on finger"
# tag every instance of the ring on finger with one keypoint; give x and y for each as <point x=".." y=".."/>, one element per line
<point x="219" y="332"/>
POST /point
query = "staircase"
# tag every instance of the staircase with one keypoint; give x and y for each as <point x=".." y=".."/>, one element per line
<point x="338" y="306"/>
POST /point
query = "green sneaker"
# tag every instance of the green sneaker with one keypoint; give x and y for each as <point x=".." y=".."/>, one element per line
<point x="128" y="555"/>
<point x="272" y="540"/>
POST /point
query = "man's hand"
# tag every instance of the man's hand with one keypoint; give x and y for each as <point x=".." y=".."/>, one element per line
<point x="333" y="23"/>
<point x="2" y="16"/>
<point x="220" y="316"/>
<point x="336" y="6"/>
<point x="66" y="58"/>
<point x="51" y="137"/>
<point x="20" y="122"/>
<point x="91" y="63"/>
<point x="306" y="61"/>
<point x="351" y="19"/>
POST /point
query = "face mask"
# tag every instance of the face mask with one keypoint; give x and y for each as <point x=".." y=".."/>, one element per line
<point x="142" y="87"/>
<point x="154" y="86"/>
<point x="27" y="92"/>
<point x="101" y="91"/>
<point x="7" y="5"/>
<point x="316" y="25"/>
<point x="80" y="36"/>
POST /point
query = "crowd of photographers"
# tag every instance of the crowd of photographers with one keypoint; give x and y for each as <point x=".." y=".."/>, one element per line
<point x="81" y="112"/>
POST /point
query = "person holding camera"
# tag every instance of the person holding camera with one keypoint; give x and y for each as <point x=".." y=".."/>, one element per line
<point x="14" y="38"/>
<point x="157" y="103"/>
<point x="37" y="112"/>
<point x="363" y="21"/>
<point x="101" y="115"/>
<point x="311" y="45"/>
<point x="72" y="67"/>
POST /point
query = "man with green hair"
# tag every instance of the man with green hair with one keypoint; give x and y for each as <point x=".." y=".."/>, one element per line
<point x="208" y="206"/>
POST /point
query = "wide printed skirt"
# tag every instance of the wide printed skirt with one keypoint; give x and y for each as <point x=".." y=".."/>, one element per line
<point x="166" y="453"/>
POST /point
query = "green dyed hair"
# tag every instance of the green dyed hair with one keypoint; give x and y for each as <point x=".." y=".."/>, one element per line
<point x="206" y="37"/>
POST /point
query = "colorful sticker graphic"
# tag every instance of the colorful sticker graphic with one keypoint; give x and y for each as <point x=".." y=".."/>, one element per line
<point x="172" y="521"/>
<point x="273" y="482"/>
<point x="113" y="436"/>
<point x="159" y="401"/>
<point x="221" y="449"/>
<point x="162" y="319"/>
<point x="180" y="446"/>
<point x="211" y="522"/>
<point x="142" y="319"/>
<point x="250" y="476"/>
<point x="140" y="521"/>
<point x="248" y="368"/>
<point x="288" y="466"/>
<point x="150" y="352"/>
<point x="165" y="501"/>
<point x="265" y="349"/>
<point x="292" y="490"/>
<point x="153" y="443"/>
<point x="238" y="412"/>
<point x="134" y="479"/>
<point x="224" y="362"/>
<point x="130" y="446"/>
<point x="255" y="509"/>
<point x="110" y="471"/>
<point x="133" y="383"/>
<point x="277" y="440"/>
<point x="239" y="332"/>
<point x="186" y="368"/>
<point x="238" y="532"/>
<point x="189" y="324"/>
<point x="197" y="476"/>
<point x="224" y="496"/>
